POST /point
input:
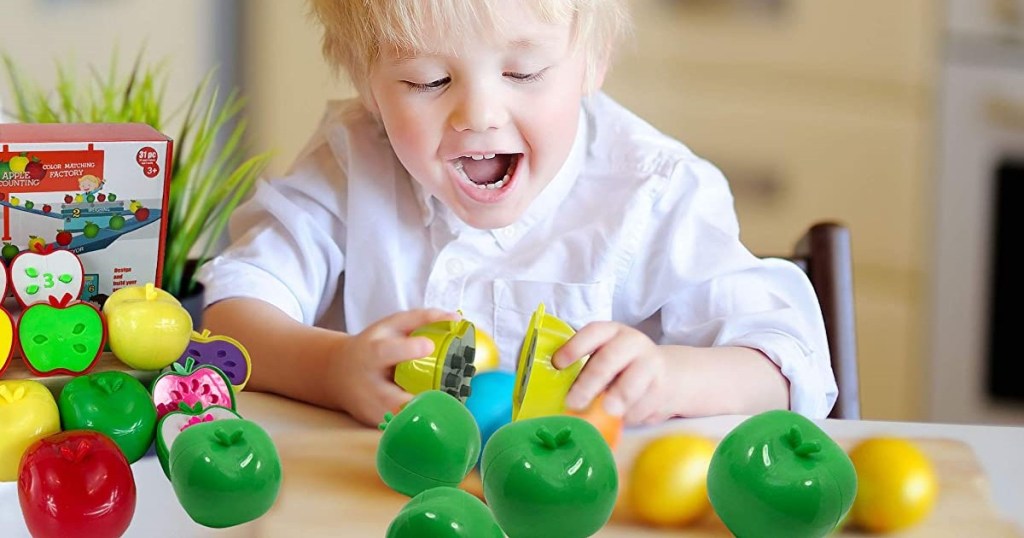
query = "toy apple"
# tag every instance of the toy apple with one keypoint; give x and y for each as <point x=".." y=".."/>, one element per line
<point x="443" y="512"/>
<point x="541" y="388"/>
<point x="6" y="339"/>
<point x="225" y="472"/>
<point x="61" y="337"/>
<point x="449" y="368"/>
<point x="27" y="413"/>
<point x="433" y="441"/>
<point x="549" y="476"/>
<point x="175" y="422"/>
<point x="779" y="474"/>
<point x="113" y="403"/>
<point x="191" y="384"/>
<point x="76" y="483"/>
<point x="224" y="352"/>
<point x="149" y="329"/>
<point x="42" y="272"/>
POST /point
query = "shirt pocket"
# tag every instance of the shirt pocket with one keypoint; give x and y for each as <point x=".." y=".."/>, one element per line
<point x="516" y="300"/>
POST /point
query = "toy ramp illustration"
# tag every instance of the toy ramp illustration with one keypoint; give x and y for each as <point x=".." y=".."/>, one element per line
<point x="104" y="237"/>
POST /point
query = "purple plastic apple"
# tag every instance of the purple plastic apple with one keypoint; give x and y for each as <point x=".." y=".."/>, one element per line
<point x="224" y="352"/>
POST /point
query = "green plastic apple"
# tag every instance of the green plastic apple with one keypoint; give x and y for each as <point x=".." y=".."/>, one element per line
<point x="172" y="424"/>
<point x="549" y="476"/>
<point x="777" y="474"/>
<point x="61" y="337"/>
<point x="28" y="413"/>
<point x="113" y="403"/>
<point x="444" y="512"/>
<point x="148" y="327"/>
<point x="433" y="441"/>
<point x="225" y="472"/>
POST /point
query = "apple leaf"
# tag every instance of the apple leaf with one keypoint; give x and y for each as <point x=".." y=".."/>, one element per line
<point x="186" y="369"/>
<point x="11" y="397"/>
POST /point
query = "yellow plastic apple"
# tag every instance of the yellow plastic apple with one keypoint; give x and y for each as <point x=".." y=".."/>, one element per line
<point x="148" y="328"/>
<point x="28" y="412"/>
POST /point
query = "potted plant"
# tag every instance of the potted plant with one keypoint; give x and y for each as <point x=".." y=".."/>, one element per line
<point x="212" y="171"/>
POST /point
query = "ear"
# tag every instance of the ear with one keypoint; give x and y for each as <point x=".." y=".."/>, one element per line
<point x="368" y="99"/>
<point x="600" y="71"/>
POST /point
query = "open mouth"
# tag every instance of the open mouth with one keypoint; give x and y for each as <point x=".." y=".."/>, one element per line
<point x="490" y="171"/>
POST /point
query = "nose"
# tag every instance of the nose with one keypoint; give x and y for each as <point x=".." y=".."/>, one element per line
<point x="479" y="110"/>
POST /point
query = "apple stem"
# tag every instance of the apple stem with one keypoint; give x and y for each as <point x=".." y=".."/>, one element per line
<point x="227" y="439"/>
<point x="387" y="420"/>
<point x="551" y="442"/>
<point x="184" y="370"/>
<point x="800" y="448"/>
<point x="101" y="382"/>
<point x="150" y="291"/>
<point x="11" y="397"/>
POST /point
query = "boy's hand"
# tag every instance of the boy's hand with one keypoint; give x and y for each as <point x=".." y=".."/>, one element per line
<point x="362" y="371"/>
<point x="624" y="364"/>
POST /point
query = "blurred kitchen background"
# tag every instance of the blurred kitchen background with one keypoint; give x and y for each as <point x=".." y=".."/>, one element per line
<point x="902" y="119"/>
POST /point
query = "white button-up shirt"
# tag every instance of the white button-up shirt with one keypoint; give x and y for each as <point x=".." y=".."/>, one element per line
<point x="634" y="228"/>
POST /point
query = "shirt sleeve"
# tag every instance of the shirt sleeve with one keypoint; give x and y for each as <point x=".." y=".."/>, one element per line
<point x="715" y="292"/>
<point x="287" y="242"/>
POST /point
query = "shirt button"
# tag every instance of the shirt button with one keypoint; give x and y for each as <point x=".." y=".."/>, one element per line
<point x="508" y="231"/>
<point x="455" y="266"/>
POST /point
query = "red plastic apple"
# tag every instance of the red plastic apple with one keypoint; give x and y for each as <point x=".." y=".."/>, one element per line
<point x="68" y="199"/>
<point x="76" y="483"/>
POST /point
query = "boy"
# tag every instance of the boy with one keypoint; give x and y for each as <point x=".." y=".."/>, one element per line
<point x="480" y="170"/>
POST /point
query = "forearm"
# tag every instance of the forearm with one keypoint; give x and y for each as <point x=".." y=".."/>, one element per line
<point x="724" y="380"/>
<point x="288" y="358"/>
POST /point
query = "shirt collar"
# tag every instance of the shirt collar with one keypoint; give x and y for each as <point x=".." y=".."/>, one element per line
<point x="546" y="203"/>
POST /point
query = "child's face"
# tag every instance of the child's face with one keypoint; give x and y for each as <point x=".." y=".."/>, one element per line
<point x="485" y="124"/>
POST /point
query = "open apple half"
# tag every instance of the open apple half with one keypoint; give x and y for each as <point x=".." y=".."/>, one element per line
<point x="449" y="368"/>
<point x="175" y="422"/>
<point x="540" y="388"/>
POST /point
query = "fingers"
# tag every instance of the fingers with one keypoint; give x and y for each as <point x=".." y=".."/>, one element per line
<point x="629" y="388"/>
<point x="583" y="343"/>
<point x="392" y="351"/>
<point x="614" y="353"/>
<point x="408" y="321"/>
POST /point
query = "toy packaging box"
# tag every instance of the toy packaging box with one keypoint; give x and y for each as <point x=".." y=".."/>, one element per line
<point x="98" y="190"/>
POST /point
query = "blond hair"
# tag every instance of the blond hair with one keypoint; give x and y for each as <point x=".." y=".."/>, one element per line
<point x="355" y="31"/>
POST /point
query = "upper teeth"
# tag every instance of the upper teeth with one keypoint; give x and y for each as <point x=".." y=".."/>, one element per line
<point x="481" y="157"/>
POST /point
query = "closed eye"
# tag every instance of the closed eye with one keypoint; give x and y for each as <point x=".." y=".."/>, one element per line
<point x="525" y="77"/>
<point x="429" y="86"/>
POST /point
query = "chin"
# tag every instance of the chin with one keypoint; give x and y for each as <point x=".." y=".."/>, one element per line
<point x="488" y="219"/>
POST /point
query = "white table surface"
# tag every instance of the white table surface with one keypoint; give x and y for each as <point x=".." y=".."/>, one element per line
<point x="158" y="514"/>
